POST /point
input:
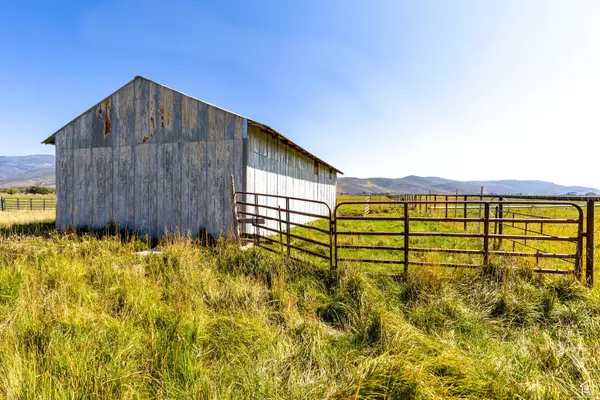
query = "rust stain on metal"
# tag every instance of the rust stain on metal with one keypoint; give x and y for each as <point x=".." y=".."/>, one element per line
<point x="106" y="122"/>
<point x="152" y="124"/>
<point x="145" y="139"/>
<point x="162" y="116"/>
<point x="106" y="105"/>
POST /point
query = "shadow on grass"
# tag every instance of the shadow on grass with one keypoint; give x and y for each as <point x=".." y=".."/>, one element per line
<point x="47" y="229"/>
<point x="43" y="229"/>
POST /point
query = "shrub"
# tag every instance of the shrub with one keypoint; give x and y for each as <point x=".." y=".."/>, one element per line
<point x="39" y="190"/>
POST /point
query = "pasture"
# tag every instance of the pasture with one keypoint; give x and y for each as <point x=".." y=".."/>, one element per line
<point x="87" y="316"/>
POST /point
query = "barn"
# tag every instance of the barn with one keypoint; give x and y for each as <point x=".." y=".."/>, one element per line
<point x="154" y="160"/>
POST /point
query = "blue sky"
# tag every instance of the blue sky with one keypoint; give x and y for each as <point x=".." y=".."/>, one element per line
<point x="458" y="89"/>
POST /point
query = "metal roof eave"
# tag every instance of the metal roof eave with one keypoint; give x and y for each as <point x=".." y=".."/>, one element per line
<point x="290" y="143"/>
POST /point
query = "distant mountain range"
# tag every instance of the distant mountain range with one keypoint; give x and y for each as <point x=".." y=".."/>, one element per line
<point x="35" y="170"/>
<point x="423" y="185"/>
<point x="38" y="170"/>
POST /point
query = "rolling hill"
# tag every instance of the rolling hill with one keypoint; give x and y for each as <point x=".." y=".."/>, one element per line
<point x="34" y="170"/>
<point x="417" y="184"/>
<point x="39" y="170"/>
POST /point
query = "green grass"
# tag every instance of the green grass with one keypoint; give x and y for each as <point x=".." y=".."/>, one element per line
<point x="84" y="317"/>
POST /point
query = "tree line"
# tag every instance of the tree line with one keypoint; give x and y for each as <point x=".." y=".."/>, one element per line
<point x="28" y="190"/>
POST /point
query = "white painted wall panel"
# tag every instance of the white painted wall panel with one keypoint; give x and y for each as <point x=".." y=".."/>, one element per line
<point x="275" y="168"/>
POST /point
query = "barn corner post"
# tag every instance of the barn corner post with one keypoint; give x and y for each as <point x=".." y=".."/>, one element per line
<point x="589" y="241"/>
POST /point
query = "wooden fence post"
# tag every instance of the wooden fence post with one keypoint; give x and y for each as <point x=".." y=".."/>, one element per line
<point x="2" y="203"/>
<point x="18" y="208"/>
<point x="589" y="253"/>
<point x="44" y="204"/>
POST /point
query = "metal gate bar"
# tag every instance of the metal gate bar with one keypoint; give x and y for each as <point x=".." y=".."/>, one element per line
<point x="486" y="252"/>
<point x="282" y="219"/>
<point x="494" y="224"/>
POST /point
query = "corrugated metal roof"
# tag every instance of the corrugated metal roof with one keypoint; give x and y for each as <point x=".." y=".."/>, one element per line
<point x="263" y="127"/>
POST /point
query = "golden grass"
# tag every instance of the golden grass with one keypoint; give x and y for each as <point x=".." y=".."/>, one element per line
<point x="86" y="317"/>
<point x="10" y="218"/>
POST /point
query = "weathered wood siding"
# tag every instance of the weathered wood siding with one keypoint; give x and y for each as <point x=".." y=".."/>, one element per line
<point x="276" y="168"/>
<point x="149" y="159"/>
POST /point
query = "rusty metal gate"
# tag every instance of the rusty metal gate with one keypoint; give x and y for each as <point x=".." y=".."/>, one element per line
<point x="411" y="232"/>
<point x="286" y="225"/>
<point x="472" y="233"/>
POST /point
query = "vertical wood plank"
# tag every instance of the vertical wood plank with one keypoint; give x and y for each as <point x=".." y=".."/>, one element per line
<point x="123" y="186"/>
<point x="145" y="189"/>
<point x="82" y="198"/>
<point x="224" y="168"/>
<point x="169" y="188"/>
<point x="213" y="216"/>
<point x="101" y="186"/>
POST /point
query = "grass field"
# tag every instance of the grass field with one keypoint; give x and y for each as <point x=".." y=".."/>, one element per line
<point x="83" y="316"/>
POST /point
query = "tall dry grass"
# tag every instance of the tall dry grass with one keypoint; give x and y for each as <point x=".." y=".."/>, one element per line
<point x="84" y="317"/>
<point x="10" y="218"/>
